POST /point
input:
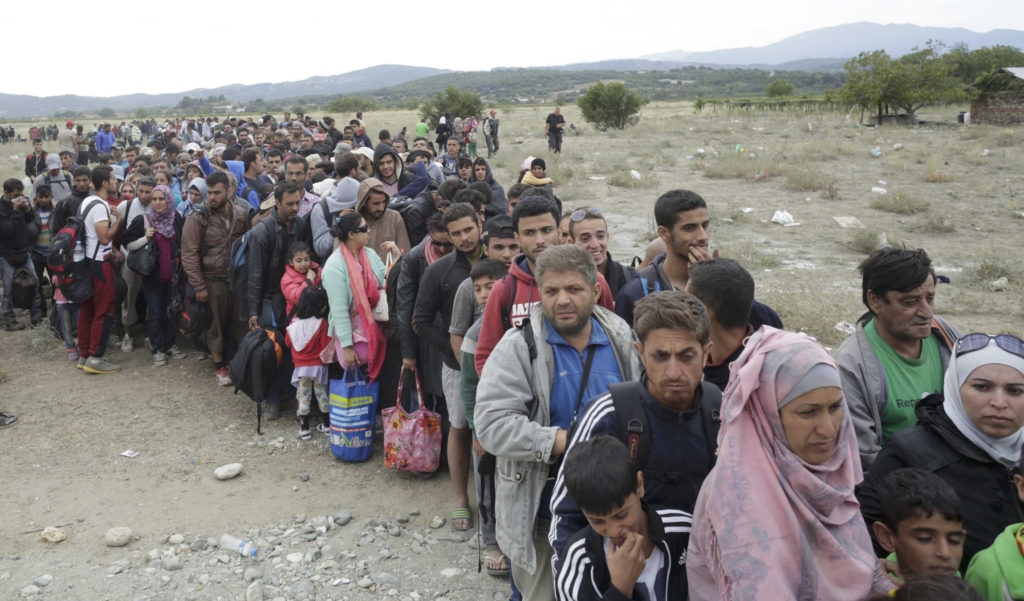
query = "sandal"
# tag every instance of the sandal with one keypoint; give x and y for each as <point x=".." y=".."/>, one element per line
<point x="497" y="563"/>
<point x="461" y="513"/>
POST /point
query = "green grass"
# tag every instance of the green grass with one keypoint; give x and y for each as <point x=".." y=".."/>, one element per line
<point x="899" y="203"/>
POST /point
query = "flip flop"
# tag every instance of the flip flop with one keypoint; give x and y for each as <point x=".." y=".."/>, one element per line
<point x="497" y="565"/>
<point x="461" y="513"/>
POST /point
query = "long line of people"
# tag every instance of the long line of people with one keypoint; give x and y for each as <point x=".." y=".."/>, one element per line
<point x="648" y="434"/>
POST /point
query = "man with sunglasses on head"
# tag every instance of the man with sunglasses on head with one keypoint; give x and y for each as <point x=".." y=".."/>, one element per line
<point x="589" y="230"/>
<point x="899" y="351"/>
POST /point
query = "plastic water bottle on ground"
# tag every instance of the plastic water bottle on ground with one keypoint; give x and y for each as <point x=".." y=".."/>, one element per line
<point x="243" y="547"/>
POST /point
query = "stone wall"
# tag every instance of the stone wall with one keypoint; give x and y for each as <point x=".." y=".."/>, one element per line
<point x="998" y="108"/>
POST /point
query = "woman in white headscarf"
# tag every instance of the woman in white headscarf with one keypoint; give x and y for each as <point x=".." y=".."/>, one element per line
<point x="970" y="436"/>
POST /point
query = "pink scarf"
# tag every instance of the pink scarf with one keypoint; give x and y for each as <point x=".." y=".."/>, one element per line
<point x="775" y="526"/>
<point x="365" y="295"/>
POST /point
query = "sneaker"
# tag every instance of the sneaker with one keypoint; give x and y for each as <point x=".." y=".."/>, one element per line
<point x="159" y="359"/>
<point x="127" y="345"/>
<point x="13" y="326"/>
<point x="324" y="426"/>
<point x="303" y="420"/>
<point x="176" y="353"/>
<point x="81" y="362"/>
<point x="271" y="411"/>
<point x="202" y="356"/>
<point x="223" y="377"/>
<point x="100" y="365"/>
<point x="7" y="420"/>
<point x="73" y="354"/>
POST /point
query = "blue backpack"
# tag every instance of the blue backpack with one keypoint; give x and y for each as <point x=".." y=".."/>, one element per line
<point x="238" y="273"/>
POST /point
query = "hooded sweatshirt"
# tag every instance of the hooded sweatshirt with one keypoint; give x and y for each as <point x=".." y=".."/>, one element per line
<point x="187" y="207"/>
<point x="381" y="151"/>
<point x="390" y="227"/>
<point x="343" y="197"/>
<point x="520" y="283"/>
<point x="498" y="204"/>
<point x="998" y="571"/>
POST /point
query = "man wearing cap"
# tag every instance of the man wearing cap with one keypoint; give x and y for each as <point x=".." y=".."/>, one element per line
<point x="491" y="129"/>
<point x="66" y="138"/>
<point x="59" y="180"/>
<point x="387" y="228"/>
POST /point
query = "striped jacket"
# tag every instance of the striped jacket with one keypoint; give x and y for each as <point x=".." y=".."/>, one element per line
<point x="584" y="574"/>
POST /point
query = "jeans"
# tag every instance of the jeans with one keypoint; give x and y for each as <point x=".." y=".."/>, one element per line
<point x="159" y="326"/>
<point x="6" y="304"/>
<point x="68" y="320"/>
<point x="39" y="262"/>
<point x="555" y="141"/>
<point x="97" y="312"/>
<point x="492" y="145"/>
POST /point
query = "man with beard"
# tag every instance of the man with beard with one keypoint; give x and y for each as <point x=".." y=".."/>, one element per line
<point x="387" y="228"/>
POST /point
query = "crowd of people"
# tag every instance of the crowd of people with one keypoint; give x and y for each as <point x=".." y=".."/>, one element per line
<point x="633" y="432"/>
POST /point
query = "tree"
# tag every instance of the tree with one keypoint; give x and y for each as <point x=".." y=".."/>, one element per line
<point x="460" y="103"/>
<point x="610" y="106"/>
<point x="140" y="113"/>
<point x="106" y="113"/>
<point x="969" y="65"/>
<point x="351" y="104"/>
<point x="779" y="87"/>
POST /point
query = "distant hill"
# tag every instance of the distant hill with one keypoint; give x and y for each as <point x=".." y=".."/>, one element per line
<point x="17" y="105"/>
<point x="846" y="41"/>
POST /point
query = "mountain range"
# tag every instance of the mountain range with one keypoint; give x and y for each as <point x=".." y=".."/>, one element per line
<point x="820" y="50"/>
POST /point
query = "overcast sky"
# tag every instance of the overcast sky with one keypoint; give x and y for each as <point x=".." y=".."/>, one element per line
<point x="119" y="47"/>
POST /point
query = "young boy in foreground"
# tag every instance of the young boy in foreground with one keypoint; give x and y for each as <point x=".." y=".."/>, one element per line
<point x="998" y="572"/>
<point x="922" y="525"/>
<point x="628" y="550"/>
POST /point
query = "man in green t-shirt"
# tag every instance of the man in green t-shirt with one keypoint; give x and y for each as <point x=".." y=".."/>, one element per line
<point x="899" y="352"/>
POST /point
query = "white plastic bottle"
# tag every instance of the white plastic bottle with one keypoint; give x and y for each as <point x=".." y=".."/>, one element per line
<point x="79" y="252"/>
<point x="243" y="547"/>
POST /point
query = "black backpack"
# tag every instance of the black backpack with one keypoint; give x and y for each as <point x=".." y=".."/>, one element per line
<point x="238" y="273"/>
<point x="74" y="278"/>
<point x="253" y="367"/>
<point x="635" y="431"/>
<point x="23" y="288"/>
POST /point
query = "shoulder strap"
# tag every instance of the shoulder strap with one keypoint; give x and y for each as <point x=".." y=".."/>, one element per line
<point x="327" y="212"/>
<point x="650" y="286"/>
<point x="506" y="309"/>
<point x="633" y="428"/>
<point x="711" y="416"/>
<point x="531" y="341"/>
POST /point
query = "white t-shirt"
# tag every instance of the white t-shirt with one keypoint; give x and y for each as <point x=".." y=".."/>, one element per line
<point x="649" y="577"/>
<point x="98" y="214"/>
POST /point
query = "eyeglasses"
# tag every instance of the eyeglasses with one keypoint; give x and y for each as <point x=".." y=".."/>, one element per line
<point x="978" y="341"/>
<point x="581" y="214"/>
<point x="362" y="229"/>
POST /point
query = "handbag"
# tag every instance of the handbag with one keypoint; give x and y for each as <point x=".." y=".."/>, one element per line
<point x="353" y="413"/>
<point x="380" y="310"/>
<point x="143" y="261"/>
<point x="412" y="441"/>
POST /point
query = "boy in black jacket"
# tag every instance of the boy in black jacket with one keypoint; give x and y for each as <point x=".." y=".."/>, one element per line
<point x="629" y="550"/>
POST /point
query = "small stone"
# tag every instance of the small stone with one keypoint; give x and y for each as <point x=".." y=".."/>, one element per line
<point x="30" y="591"/>
<point x="172" y="563"/>
<point x="294" y="557"/>
<point x="999" y="284"/>
<point x="253" y="573"/>
<point x="310" y="536"/>
<point x="52" y="534"/>
<point x="115" y="569"/>
<point x="437" y="522"/>
<point x="176" y="539"/>
<point x="315" y="555"/>
<point x="295" y="489"/>
<point x="365" y="582"/>
<point x="254" y="592"/>
<point x="385" y="553"/>
<point x="414" y="512"/>
<point x="43" y="581"/>
<point x="304" y="477"/>
<point x="383" y="578"/>
<point x="227" y="472"/>
<point x="342" y="517"/>
<point x="395" y="531"/>
<point x="118" y="536"/>
<point x="451" y="572"/>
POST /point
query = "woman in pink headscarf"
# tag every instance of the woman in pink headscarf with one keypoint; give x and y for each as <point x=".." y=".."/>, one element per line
<point x="777" y="518"/>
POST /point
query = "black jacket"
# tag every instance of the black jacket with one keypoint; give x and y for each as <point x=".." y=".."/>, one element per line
<point x="617" y="275"/>
<point x="137" y="229"/>
<point x="935" y="445"/>
<point x="653" y="279"/>
<point x="435" y="298"/>
<point x="584" y="573"/>
<point x="428" y="362"/>
<point x="18" y="231"/>
<point x="268" y="248"/>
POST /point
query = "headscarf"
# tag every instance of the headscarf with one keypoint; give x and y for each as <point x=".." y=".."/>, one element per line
<point x="199" y="184"/>
<point x="365" y="296"/>
<point x="1005" y="450"/>
<point x="163" y="222"/>
<point x="780" y="528"/>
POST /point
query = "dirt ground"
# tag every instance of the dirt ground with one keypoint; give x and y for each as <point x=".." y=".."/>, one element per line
<point x="62" y="463"/>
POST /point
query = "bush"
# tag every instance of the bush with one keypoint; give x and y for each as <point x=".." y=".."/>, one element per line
<point x="901" y="204"/>
<point x="351" y="104"/>
<point x="460" y="103"/>
<point x="779" y="87"/>
<point x="610" y="106"/>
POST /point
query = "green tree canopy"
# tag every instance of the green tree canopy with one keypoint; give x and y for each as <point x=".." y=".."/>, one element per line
<point x="351" y="104"/>
<point x="779" y="87"/>
<point x="876" y="81"/>
<point x="610" y="106"/>
<point x="106" y="113"/>
<point x="460" y="103"/>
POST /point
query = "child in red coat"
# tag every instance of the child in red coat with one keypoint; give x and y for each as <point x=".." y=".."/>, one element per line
<point x="306" y="335"/>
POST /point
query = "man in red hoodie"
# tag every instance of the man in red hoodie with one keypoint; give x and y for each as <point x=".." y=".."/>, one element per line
<point x="535" y="221"/>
